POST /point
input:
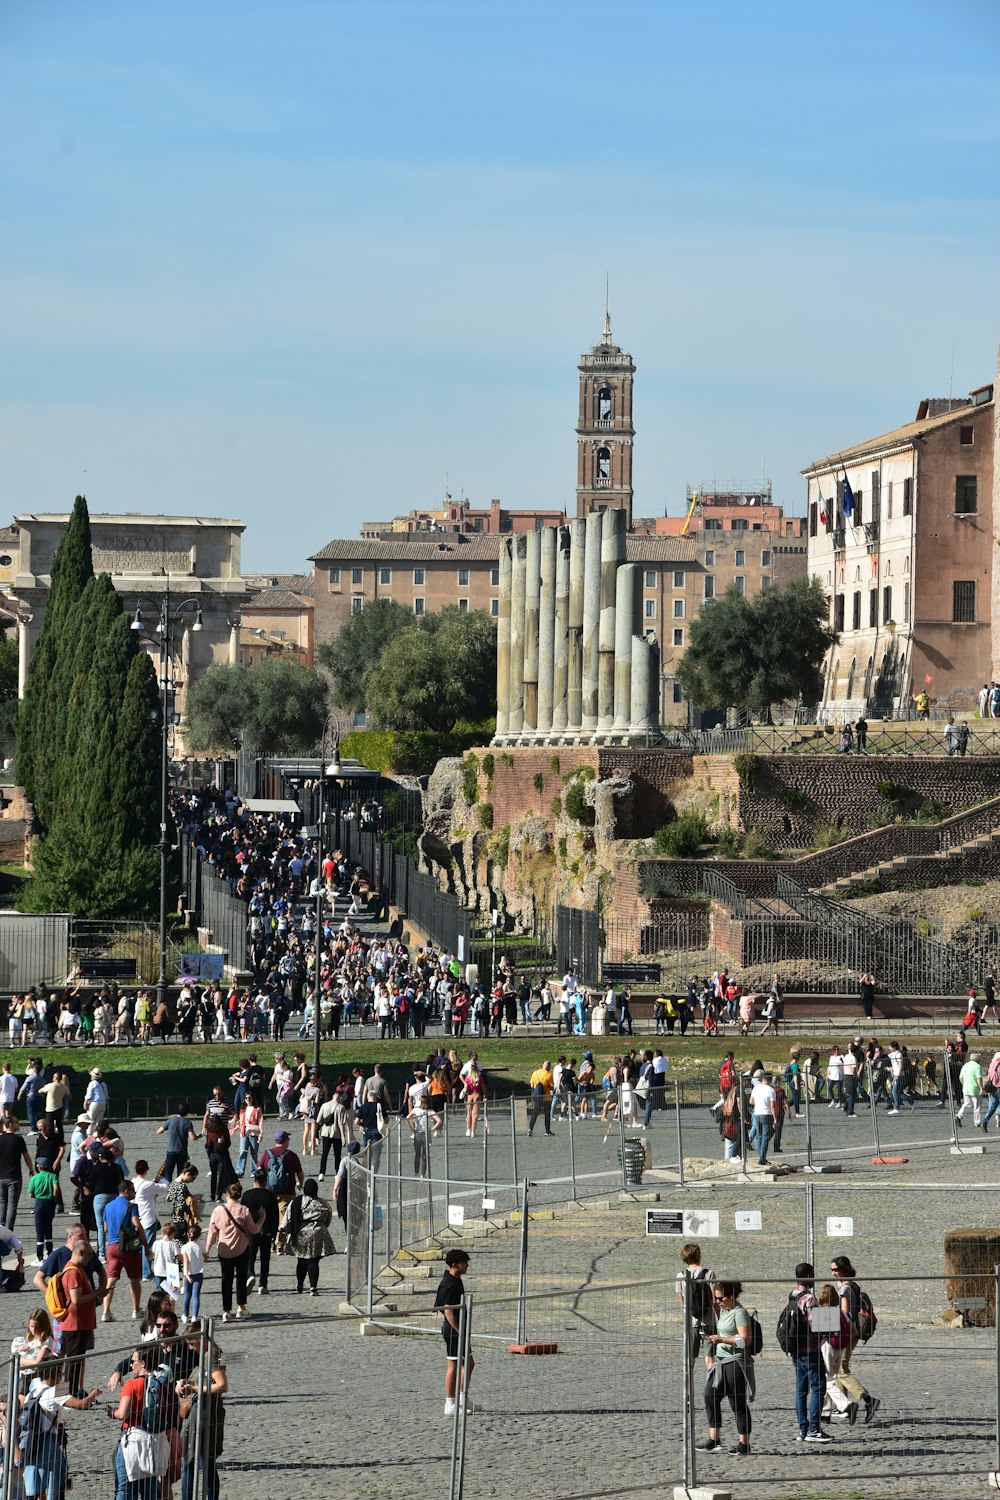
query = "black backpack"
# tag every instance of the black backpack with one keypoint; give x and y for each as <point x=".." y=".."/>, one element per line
<point x="701" y="1298"/>
<point x="792" y="1331"/>
<point x="756" y="1333"/>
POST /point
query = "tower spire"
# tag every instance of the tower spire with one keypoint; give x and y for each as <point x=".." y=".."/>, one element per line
<point x="607" y="309"/>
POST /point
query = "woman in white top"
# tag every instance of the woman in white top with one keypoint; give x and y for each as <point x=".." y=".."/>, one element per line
<point x="835" y="1077"/>
<point x="36" y="1341"/>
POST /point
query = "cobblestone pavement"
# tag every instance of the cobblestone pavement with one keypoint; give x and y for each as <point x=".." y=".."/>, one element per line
<point x="314" y="1408"/>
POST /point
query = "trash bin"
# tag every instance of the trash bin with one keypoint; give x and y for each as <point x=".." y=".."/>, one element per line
<point x="634" y="1160"/>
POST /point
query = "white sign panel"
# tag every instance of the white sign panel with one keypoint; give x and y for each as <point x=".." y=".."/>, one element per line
<point x="824" y="1319"/>
<point x="488" y="1204"/>
<point x="683" y="1221"/>
<point x="839" y="1229"/>
<point x="749" y="1220"/>
<point x="456" y="1214"/>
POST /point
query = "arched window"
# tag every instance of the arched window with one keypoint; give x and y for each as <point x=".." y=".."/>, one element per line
<point x="850" y="677"/>
<point x="604" y="465"/>
<point x="857" y="575"/>
<point x="888" y="568"/>
<point x="604" y="404"/>
<point x="906" y="566"/>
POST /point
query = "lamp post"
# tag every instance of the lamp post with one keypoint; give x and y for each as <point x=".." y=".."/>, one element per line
<point x="331" y="739"/>
<point x="163" y="630"/>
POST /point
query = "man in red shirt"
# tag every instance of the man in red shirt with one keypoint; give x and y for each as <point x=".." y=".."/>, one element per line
<point x="81" y="1315"/>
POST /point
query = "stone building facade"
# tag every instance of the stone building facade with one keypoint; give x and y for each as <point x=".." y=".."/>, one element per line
<point x="147" y="557"/>
<point x="908" y="557"/>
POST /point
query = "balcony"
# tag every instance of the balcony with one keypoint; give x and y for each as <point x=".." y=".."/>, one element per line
<point x="602" y="484"/>
<point x="839" y="538"/>
<point x="871" y="534"/>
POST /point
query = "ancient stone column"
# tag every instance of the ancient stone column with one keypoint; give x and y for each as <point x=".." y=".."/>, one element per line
<point x="515" y="702"/>
<point x="612" y="557"/>
<point x="503" y="640"/>
<point x="23" y="654"/>
<point x="234" y="643"/>
<point x="644" y="713"/>
<point x="591" y="620"/>
<point x="546" y="630"/>
<point x="626" y="594"/>
<point x="532" y="592"/>
<point x="574" y="668"/>
<point x="561" y="635"/>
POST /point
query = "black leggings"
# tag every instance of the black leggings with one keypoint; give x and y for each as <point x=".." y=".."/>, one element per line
<point x="307" y="1265"/>
<point x="734" y="1386"/>
<point x="326" y="1142"/>
<point x="230" y="1266"/>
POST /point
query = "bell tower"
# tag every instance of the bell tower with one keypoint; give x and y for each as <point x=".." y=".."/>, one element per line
<point x="604" y="431"/>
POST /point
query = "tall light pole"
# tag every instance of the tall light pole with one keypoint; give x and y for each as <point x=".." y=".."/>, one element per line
<point x="331" y="739"/>
<point x="164" y="629"/>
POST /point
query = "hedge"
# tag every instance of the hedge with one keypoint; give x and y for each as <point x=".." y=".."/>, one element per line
<point x="407" y="750"/>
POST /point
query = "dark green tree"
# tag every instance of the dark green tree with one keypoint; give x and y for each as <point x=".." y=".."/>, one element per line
<point x="749" y="654"/>
<point x="276" y="707"/>
<point x="439" y="671"/>
<point x="354" y="651"/>
<point x="38" y="746"/>
<point x="8" y="695"/>
<point x="135" y="804"/>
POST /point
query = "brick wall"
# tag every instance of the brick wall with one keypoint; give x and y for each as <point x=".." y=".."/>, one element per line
<point x="512" y="789"/>
<point x="844" y="789"/>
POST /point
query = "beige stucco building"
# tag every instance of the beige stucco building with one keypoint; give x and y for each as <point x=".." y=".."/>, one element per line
<point x="148" y="558"/>
<point x="909" y="565"/>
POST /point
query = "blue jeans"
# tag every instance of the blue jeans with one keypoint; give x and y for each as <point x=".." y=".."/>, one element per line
<point x="151" y="1231"/>
<point x="991" y="1109"/>
<point x="762" y="1130"/>
<point x="249" y="1146"/>
<point x="100" y="1204"/>
<point x="45" y="1477"/>
<point x="132" y="1489"/>
<point x="810" y="1385"/>
<point x="192" y="1295"/>
<point x="211" y="1482"/>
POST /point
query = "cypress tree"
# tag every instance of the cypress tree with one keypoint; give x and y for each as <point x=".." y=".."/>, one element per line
<point x="135" y="807"/>
<point x="39" y="747"/>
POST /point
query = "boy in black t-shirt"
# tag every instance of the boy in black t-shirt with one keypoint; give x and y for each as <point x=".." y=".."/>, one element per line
<point x="449" y="1299"/>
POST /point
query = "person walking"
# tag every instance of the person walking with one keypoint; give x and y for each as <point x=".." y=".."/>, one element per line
<point x="95" y="1100"/>
<point x="178" y="1130"/>
<point x="731" y="1374"/>
<point x="850" y="1305"/>
<point x="307" y="1223"/>
<point x="810" y="1376"/>
<point x="970" y="1079"/>
<point x="13" y="1150"/>
<point x="261" y="1200"/>
<point x="230" y="1227"/>
<point x="125" y="1240"/>
<point x="540" y="1083"/>
<point x="763" y="1107"/>
<point x="448" y="1300"/>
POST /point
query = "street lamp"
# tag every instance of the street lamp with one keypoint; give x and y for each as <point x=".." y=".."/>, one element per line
<point x="331" y="739"/>
<point x="164" y="630"/>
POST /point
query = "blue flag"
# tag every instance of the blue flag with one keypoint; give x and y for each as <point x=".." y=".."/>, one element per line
<point x="848" y="499"/>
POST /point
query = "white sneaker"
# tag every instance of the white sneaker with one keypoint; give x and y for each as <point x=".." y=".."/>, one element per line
<point x="107" y="1317"/>
<point x="449" y="1406"/>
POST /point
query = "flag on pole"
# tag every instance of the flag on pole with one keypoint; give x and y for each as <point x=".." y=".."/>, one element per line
<point x="848" y="498"/>
<point x="822" y="506"/>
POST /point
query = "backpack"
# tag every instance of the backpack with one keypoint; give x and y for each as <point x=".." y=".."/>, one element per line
<point x="756" y="1334"/>
<point x="156" y="1400"/>
<point x="55" y="1298"/>
<point x="792" y="1331"/>
<point x="701" y="1298"/>
<point x="33" y="1427"/>
<point x="277" y="1173"/>
<point x="727" y="1075"/>
<point x="867" y="1321"/>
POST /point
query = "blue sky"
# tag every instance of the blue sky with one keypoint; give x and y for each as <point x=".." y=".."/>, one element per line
<point x="297" y="263"/>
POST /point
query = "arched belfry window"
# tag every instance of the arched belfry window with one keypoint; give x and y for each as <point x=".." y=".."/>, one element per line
<point x="604" y="464"/>
<point x="604" y="404"/>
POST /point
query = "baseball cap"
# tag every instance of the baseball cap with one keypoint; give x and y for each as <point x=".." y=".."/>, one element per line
<point x="281" y="1135"/>
<point x="353" y="1147"/>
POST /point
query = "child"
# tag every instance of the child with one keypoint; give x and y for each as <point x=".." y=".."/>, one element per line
<point x="166" y="1260"/>
<point x="710" y="1022"/>
<point x="193" y="1262"/>
<point x="43" y="1186"/>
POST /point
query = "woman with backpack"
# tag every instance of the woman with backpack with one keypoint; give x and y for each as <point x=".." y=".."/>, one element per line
<point x="857" y="1309"/>
<point x="41" y="1433"/>
<point x="731" y="1376"/>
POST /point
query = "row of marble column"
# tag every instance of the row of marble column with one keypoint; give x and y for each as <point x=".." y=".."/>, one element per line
<point x="572" y="662"/>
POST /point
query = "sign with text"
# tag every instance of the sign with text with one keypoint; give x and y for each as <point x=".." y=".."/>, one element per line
<point x="683" y="1221"/>
<point x="839" y="1229"/>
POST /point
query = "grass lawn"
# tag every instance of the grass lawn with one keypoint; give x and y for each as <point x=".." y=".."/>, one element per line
<point x="162" y="1075"/>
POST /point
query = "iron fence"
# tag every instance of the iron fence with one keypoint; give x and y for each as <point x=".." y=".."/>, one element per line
<point x="209" y="897"/>
<point x="48" y="949"/>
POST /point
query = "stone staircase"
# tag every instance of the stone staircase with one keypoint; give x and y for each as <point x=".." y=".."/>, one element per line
<point x="951" y="855"/>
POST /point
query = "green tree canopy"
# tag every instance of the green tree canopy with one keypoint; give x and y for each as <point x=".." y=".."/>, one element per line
<point x="749" y="653"/>
<point x="276" y="707"/>
<point x="354" y="651"/>
<point x="8" y="695"/>
<point x="439" y="671"/>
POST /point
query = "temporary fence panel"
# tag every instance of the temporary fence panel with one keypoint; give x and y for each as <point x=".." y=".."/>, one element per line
<point x="178" y="1428"/>
<point x="33" y="950"/>
<point x="627" y="1345"/>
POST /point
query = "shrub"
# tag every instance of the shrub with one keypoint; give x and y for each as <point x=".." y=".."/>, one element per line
<point x="563" y="847"/>
<point x="554" y="765"/>
<point x="930" y="811"/>
<point x="488" y="765"/>
<point x="557" y="808"/>
<point x="727" y="845"/>
<point x="682" y="838"/>
<point x="893" y="791"/>
<point x="575" y="803"/>
<point x="976" y="913"/>
<point x="414" y="751"/>
<point x="746" y="766"/>
<point x="826" y="834"/>
<point x="501" y="845"/>
<point x="470" y="778"/>
<point x="755" y="845"/>
<point x="486" y="816"/>
<point x="538" y="781"/>
<point x="506" y="759"/>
